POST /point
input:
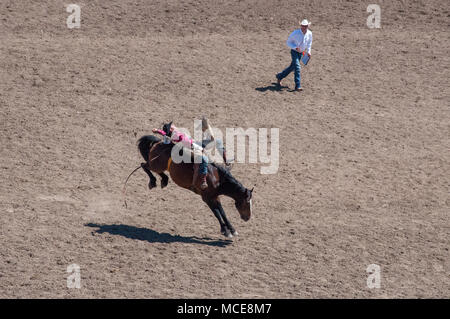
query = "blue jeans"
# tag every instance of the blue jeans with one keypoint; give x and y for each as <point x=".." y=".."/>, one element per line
<point x="203" y="167"/>
<point x="218" y="144"/>
<point x="295" y="66"/>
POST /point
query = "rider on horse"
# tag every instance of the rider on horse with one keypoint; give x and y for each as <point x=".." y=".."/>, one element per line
<point x="172" y="134"/>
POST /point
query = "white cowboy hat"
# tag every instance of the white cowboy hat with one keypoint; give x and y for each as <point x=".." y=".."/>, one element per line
<point x="305" y="22"/>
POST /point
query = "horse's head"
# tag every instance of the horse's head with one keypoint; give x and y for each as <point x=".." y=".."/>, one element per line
<point x="244" y="205"/>
<point x="231" y="187"/>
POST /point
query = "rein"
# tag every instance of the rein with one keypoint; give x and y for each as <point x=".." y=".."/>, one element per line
<point x="125" y="184"/>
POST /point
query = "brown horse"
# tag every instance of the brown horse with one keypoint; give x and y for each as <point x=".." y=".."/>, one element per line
<point x="157" y="156"/>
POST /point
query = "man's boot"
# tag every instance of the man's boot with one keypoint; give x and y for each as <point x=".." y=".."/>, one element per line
<point x="278" y="81"/>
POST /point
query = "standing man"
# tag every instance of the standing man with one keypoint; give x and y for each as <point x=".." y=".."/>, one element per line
<point x="300" y="42"/>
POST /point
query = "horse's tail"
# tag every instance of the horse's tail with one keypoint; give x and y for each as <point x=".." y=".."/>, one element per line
<point x="145" y="143"/>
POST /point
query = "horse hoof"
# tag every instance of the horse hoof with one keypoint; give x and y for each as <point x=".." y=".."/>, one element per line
<point x="150" y="185"/>
<point x="227" y="233"/>
<point x="235" y="233"/>
<point x="164" y="184"/>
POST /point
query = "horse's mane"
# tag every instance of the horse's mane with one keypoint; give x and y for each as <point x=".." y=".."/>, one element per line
<point x="227" y="179"/>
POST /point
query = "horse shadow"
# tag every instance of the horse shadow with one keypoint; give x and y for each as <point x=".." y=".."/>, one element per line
<point x="153" y="236"/>
<point x="274" y="87"/>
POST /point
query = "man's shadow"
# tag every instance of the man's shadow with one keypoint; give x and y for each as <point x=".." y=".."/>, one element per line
<point x="153" y="236"/>
<point x="274" y="87"/>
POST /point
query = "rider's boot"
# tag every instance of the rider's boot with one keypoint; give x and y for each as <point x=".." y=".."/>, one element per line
<point x="199" y="179"/>
<point x="203" y="183"/>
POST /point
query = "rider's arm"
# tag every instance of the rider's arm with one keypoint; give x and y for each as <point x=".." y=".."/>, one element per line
<point x="159" y="131"/>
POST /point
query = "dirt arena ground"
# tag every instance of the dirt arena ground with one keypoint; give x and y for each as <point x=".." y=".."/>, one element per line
<point x="364" y="150"/>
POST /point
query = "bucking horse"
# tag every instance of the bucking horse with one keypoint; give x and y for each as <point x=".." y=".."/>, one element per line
<point x="157" y="156"/>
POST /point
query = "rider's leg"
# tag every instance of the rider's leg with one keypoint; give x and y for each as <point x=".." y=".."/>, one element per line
<point x="218" y="145"/>
<point x="222" y="151"/>
<point x="203" y="171"/>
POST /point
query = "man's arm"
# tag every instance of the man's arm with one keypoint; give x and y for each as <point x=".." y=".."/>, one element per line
<point x="309" y="45"/>
<point x="291" y="41"/>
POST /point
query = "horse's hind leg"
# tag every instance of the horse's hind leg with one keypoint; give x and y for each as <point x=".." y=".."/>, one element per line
<point x="226" y="221"/>
<point x="164" y="180"/>
<point x="152" y="182"/>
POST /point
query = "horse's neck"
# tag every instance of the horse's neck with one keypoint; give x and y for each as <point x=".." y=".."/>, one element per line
<point x="165" y="147"/>
<point x="235" y="191"/>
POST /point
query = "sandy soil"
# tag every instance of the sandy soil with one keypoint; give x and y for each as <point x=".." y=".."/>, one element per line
<point x="365" y="181"/>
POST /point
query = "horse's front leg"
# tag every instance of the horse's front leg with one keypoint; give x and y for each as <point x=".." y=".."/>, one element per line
<point x="214" y="206"/>
<point x="226" y="221"/>
<point x="164" y="180"/>
<point x="152" y="182"/>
